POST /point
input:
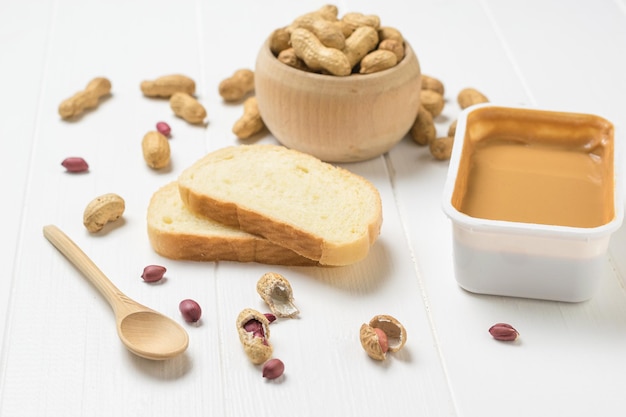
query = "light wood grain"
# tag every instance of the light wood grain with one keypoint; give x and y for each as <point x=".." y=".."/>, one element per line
<point x="143" y="331"/>
<point x="338" y="119"/>
<point x="54" y="340"/>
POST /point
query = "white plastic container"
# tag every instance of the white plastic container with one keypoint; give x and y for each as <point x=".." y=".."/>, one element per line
<point x="530" y="259"/>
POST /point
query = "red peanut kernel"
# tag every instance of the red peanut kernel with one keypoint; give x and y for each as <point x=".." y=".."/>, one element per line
<point x="153" y="273"/>
<point x="382" y="339"/>
<point x="75" y="164"/>
<point x="273" y="368"/>
<point x="190" y="310"/>
<point x="504" y="332"/>
<point x="163" y="128"/>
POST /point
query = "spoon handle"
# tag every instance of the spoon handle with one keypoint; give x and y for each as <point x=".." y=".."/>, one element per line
<point x="81" y="261"/>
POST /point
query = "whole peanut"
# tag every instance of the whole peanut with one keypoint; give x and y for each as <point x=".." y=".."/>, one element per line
<point x="235" y="87"/>
<point x="288" y="57"/>
<point x="470" y="96"/>
<point x="279" y="40"/>
<point x="377" y="61"/>
<point x="423" y="130"/>
<point x="85" y="99"/>
<point x="432" y="83"/>
<point x="356" y="20"/>
<point x="394" y="46"/>
<point x="102" y="210"/>
<point x="388" y="32"/>
<point x="432" y="101"/>
<point x="317" y="56"/>
<point x="329" y="33"/>
<point x="441" y="148"/>
<point x="187" y="107"/>
<point x="156" y="150"/>
<point x="250" y="122"/>
<point x="362" y="41"/>
<point x="167" y="85"/>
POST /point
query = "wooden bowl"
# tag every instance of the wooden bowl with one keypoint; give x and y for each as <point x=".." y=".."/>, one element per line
<point x="338" y="119"/>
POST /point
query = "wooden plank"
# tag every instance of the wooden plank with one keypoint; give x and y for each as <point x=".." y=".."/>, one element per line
<point x="518" y="54"/>
<point x="59" y="339"/>
<point x="24" y="51"/>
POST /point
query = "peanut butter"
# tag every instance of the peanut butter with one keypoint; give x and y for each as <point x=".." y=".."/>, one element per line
<point x="536" y="167"/>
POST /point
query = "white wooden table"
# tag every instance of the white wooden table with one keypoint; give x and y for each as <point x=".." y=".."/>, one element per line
<point x="60" y="355"/>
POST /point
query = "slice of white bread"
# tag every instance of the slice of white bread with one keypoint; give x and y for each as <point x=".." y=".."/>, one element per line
<point x="320" y="211"/>
<point x="177" y="233"/>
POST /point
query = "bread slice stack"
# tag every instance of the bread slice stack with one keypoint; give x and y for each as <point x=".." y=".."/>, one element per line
<point x="267" y="204"/>
<point x="177" y="233"/>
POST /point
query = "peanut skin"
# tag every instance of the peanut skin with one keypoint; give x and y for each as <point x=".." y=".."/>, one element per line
<point x="86" y="99"/>
<point x="187" y="108"/>
<point x="167" y="85"/>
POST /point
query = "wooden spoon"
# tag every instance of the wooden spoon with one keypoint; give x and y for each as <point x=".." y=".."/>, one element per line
<point x="145" y="332"/>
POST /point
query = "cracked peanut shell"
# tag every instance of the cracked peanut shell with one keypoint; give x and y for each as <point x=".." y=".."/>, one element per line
<point x="254" y="334"/>
<point x="276" y="291"/>
<point x="393" y="329"/>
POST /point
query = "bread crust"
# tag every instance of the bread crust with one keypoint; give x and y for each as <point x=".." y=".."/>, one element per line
<point x="211" y="246"/>
<point x="180" y="246"/>
<point x="278" y="230"/>
<point x="285" y="235"/>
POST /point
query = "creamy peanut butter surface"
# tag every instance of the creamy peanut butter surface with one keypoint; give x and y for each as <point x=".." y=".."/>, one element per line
<point x="555" y="172"/>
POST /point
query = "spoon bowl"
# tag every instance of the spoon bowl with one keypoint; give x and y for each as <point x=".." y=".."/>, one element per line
<point x="145" y="332"/>
<point x="140" y="331"/>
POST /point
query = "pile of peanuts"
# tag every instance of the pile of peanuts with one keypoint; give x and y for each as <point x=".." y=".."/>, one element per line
<point x="319" y="41"/>
<point x="322" y="42"/>
<point x="432" y="102"/>
<point x="179" y="89"/>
